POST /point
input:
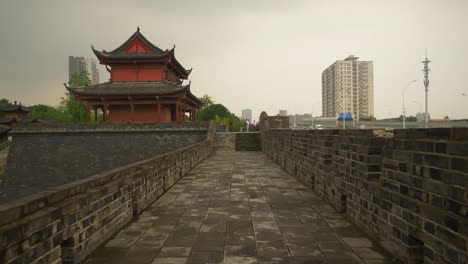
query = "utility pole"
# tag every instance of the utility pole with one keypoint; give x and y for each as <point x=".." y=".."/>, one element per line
<point x="426" y="85"/>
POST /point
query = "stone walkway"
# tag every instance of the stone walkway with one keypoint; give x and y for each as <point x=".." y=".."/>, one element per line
<point x="239" y="207"/>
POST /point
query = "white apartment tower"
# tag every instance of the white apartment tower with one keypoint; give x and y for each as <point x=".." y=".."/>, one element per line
<point x="247" y="114"/>
<point x="348" y="86"/>
<point x="81" y="64"/>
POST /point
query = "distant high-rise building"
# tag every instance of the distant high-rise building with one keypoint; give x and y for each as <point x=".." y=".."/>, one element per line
<point x="283" y="112"/>
<point x="81" y="64"/>
<point x="348" y="86"/>
<point x="247" y="114"/>
<point x="421" y="117"/>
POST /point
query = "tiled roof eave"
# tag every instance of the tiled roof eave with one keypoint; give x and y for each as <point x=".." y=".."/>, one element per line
<point x="128" y="89"/>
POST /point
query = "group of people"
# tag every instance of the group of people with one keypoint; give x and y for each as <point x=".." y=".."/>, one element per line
<point x="250" y="126"/>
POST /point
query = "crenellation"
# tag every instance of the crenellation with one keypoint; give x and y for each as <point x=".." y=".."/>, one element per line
<point x="408" y="192"/>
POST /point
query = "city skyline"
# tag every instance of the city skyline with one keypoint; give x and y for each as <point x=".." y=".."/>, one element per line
<point x="77" y="64"/>
<point x="312" y="35"/>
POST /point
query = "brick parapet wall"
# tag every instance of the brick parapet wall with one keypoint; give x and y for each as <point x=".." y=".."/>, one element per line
<point x="409" y="192"/>
<point x="66" y="223"/>
<point x="63" y="153"/>
<point x="425" y="175"/>
<point x="72" y="127"/>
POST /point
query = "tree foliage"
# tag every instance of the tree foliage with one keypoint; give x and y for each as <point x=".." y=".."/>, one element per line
<point x="71" y="110"/>
<point x="221" y="115"/>
<point x="45" y="112"/>
<point x="210" y="112"/>
<point x="206" y="100"/>
<point x="4" y="103"/>
<point x="80" y="79"/>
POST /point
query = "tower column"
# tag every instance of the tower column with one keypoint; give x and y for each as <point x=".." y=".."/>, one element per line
<point x="105" y="117"/>
<point x="87" y="112"/>
<point x="159" y="112"/>
<point x="95" y="114"/>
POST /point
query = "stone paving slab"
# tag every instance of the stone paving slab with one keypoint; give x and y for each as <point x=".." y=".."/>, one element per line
<point x="239" y="207"/>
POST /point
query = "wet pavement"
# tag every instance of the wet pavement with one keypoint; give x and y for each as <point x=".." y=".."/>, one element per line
<point x="239" y="207"/>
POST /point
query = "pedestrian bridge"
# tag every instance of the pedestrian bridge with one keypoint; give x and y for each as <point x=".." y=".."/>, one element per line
<point x="309" y="196"/>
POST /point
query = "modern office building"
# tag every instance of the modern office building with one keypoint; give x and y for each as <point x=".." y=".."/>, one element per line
<point x="82" y="64"/>
<point x="348" y="86"/>
<point x="247" y="114"/>
<point x="283" y="112"/>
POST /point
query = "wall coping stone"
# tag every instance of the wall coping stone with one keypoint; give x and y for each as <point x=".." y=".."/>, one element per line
<point x="107" y="126"/>
<point x="172" y="130"/>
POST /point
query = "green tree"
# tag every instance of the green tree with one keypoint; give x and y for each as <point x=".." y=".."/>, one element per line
<point x="80" y="79"/>
<point x="221" y="115"/>
<point x="232" y="121"/>
<point x="44" y="112"/>
<point x="71" y="110"/>
<point x="4" y="103"/>
<point x="210" y="112"/>
<point x="206" y="100"/>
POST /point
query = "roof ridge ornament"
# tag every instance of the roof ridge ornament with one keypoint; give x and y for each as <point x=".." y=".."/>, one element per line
<point x="138" y="28"/>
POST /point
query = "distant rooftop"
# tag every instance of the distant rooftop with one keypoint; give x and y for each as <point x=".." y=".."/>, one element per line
<point x="351" y="57"/>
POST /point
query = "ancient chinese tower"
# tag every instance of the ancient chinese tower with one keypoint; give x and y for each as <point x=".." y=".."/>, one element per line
<point x="145" y="85"/>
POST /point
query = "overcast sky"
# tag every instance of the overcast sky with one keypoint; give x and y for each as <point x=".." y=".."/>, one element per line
<point x="264" y="55"/>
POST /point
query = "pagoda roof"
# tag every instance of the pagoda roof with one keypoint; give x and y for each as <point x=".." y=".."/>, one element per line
<point x="140" y="36"/>
<point x="17" y="108"/>
<point x="150" y="53"/>
<point x="150" y="88"/>
<point x="126" y="55"/>
<point x="12" y="120"/>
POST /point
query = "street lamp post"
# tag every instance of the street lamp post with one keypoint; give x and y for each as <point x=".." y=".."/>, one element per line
<point x="404" y="114"/>
<point x="418" y="104"/>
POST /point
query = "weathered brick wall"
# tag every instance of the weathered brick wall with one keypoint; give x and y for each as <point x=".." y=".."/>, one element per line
<point x="248" y="141"/>
<point x="225" y="141"/>
<point x="425" y="180"/>
<point x="68" y="222"/>
<point x="63" y="153"/>
<point x="409" y="193"/>
<point x="269" y="122"/>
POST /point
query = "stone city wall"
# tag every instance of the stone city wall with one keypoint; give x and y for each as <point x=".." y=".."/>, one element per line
<point x="408" y="192"/>
<point x="270" y="122"/>
<point x="64" y="153"/>
<point x="67" y="222"/>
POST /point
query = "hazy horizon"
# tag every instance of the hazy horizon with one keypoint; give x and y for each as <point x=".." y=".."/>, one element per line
<point x="263" y="55"/>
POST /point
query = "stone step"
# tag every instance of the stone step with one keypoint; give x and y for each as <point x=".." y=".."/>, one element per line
<point x="248" y="142"/>
<point x="225" y="142"/>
